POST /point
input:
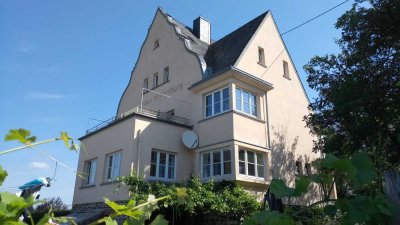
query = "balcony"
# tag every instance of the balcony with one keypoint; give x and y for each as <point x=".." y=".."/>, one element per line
<point x="144" y="111"/>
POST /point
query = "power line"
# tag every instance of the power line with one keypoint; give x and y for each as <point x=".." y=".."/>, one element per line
<point x="294" y="28"/>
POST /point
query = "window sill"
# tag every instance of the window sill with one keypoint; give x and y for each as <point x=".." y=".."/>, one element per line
<point x="248" y="116"/>
<point x="214" y="116"/>
<point x="109" y="182"/>
<point x="262" y="64"/>
<point x="252" y="178"/>
<point x="164" y="180"/>
<point x="87" y="186"/>
<point x="287" y="77"/>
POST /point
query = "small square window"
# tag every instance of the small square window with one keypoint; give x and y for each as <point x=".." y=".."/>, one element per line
<point x="156" y="44"/>
<point x="166" y="74"/>
<point x="261" y="56"/>
<point x="286" y="69"/>
<point x="299" y="168"/>
<point x="155" y="80"/>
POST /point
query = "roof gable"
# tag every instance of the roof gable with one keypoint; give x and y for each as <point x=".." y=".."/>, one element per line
<point x="225" y="52"/>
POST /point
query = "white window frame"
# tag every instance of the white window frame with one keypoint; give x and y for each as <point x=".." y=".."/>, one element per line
<point x="167" y="166"/>
<point x="221" y="103"/>
<point x="261" y="56"/>
<point x="285" y="65"/>
<point x="246" y="163"/>
<point x="90" y="169"/>
<point x="113" y="168"/>
<point x="251" y="103"/>
<point x="146" y="83"/>
<point x="222" y="162"/>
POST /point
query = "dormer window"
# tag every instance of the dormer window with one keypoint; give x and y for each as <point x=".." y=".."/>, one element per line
<point x="261" y="56"/>
<point x="156" y="44"/>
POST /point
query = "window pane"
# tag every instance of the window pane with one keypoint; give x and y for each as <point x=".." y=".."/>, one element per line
<point x="153" y="157"/>
<point x="208" y="111"/>
<point x="208" y="100"/>
<point x="161" y="171"/>
<point x="260" y="171"/>
<point x="250" y="157"/>
<point x="171" y="172"/>
<point x="239" y="99"/>
<point x="241" y="155"/>
<point x="206" y="158"/>
<point x="92" y="172"/>
<point x="116" y="166"/>
<point x="153" y="170"/>
<point x="227" y="167"/>
<point x="253" y="110"/>
<point x="251" y="169"/>
<point x="206" y="171"/>
<point x="171" y="160"/>
<point x="217" y="102"/>
<point x="225" y="105"/>
<point x="227" y="155"/>
<point x="216" y="163"/>
<point x="216" y="157"/>
<point x="163" y="158"/>
<point x="225" y="93"/>
<point x="260" y="159"/>
<point x="242" y="168"/>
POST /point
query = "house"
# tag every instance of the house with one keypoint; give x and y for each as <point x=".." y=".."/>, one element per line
<point x="240" y="96"/>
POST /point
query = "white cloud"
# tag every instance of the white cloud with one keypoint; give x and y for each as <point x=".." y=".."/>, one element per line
<point x="39" y="165"/>
<point x="46" y="96"/>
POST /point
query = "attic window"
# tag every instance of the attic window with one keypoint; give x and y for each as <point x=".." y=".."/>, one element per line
<point x="261" y="56"/>
<point x="286" y="70"/>
<point x="156" y="44"/>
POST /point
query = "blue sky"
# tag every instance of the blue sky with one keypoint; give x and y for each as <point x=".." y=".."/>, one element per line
<point x="62" y="62"/>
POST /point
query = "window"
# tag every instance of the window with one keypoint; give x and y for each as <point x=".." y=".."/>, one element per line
<point x="146" y="84"/>
<point x="166" y="74"/>
<point x="90" y="172"/>
<point x="261" y="57"/>
<point x="299" y="168"/>
<point x="251" y="163"/>
<point x="162" y="165"/>
<point x="216" y="163"/>
<point x="156" y="44"/>
<point x="307" y="167"/>
<point x="155" y="80"/>
<point x="246" y="102"/>
<point x="113" y="163"/>
<point x="285" y="69"/>
<point x="217" y="102"/>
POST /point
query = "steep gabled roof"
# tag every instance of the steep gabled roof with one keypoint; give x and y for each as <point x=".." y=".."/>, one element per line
<point x="225" y="52"/>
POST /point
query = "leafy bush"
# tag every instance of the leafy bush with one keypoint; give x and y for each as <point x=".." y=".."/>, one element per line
<point x="223" y="198"/>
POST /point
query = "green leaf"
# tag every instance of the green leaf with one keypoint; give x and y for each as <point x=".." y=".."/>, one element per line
<point x="181" y="194"/>
<point x="66" y="139"/>
<point x="269" y="218"/>
<point x="301" y="185"/>
<point x="45" y="219"/>
<point x="21" y="135"/>
<point x="12" y="206"/>
<point x="3" y="175"/>
<point x="279" y="189"/>
<point x="159" y="220"/>
<point x="110" y="221"/>
<point x="365" y="168"/>
<point x="340" y="165"/>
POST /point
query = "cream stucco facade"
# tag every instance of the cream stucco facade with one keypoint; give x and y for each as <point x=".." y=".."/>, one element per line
<point x="247" y="115"/>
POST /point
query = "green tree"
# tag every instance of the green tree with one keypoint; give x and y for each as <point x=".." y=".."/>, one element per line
<point x="358" y="104"/>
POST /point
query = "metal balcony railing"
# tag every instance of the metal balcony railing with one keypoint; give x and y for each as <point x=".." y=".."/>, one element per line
<point x="145" y="112"/>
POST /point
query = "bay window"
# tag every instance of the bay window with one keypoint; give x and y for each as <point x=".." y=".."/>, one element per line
<point x="246" y="102"/>
<point x="162" y="165"/>
<point x="217" y="102"/>
<point x="216" y="163"/>
<point x="251" y="163"/>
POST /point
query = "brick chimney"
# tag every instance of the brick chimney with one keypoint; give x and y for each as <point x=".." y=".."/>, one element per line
<point x="202" y="29"/>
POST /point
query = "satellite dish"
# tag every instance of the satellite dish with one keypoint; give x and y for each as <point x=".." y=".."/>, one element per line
<point x="190" y="139"/>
